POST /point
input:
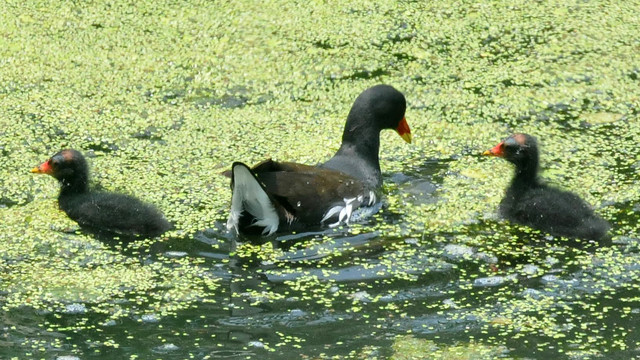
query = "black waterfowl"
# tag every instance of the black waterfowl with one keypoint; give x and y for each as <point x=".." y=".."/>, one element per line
<point x="530" y="202"/>
<point x="99" y="211"/>
<point x="274" y="196"/>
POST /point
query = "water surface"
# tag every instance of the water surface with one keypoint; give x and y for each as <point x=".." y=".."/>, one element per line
<point x="163" y="97"/>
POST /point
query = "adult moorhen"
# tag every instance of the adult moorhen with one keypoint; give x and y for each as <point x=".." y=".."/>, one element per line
<point x="98" y="211"/>
<point x="530" y="202"/>
<point x="274" y="196"/>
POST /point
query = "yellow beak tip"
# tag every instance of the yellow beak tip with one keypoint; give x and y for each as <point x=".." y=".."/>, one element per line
<point x="35" y="170"/>
<point x="487" y="153"/>
<point x="406" y="137"/>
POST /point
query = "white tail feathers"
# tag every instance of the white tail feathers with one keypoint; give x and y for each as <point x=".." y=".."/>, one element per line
<point x="248" y="195"/>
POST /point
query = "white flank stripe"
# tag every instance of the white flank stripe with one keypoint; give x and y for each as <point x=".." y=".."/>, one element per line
<point x="334" y="210"/>
<point x="345" y="212"/>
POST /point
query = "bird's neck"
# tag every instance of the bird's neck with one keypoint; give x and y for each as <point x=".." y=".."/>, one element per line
<point x="366" y="152"/>
<point x="74" y="186"/>
<point x="362" y="142"/>
<point x="526" y="175"/>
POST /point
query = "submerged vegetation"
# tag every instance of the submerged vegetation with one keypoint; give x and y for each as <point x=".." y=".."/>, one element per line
<point x="163" y="96"/>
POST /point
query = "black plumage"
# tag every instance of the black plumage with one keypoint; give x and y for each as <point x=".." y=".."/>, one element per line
<point x="377" y="108"/>
<point x="528" y="201"/>
<point x="99" y="211"/>
<point x="275" y="196"/>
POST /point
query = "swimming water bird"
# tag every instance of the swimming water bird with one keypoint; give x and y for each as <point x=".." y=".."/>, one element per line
<point x="99" y="211"/>
<point x="277" y="196"/>
<point x="530" y="202"/>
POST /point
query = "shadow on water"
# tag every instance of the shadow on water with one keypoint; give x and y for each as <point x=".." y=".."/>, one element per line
<point x="421" y="182"/>
<point x="23" y="326"/>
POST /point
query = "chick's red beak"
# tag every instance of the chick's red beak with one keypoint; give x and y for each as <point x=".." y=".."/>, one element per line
<point x="44" y="168"/>
<point x="403" y="130"/>
<point x="497" y="150"/>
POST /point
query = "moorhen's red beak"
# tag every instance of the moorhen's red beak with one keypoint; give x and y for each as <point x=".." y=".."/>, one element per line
<point x="497" y="150"/>
<point x="44" y="168"/>
<point x="404" y="131"/>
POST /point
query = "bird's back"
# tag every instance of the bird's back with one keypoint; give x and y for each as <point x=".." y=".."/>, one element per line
<point x="118" y="213"/>
<point x="555" y="211"/>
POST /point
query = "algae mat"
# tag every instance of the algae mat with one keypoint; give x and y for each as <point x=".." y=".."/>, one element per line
<point x="163" y="96"/>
